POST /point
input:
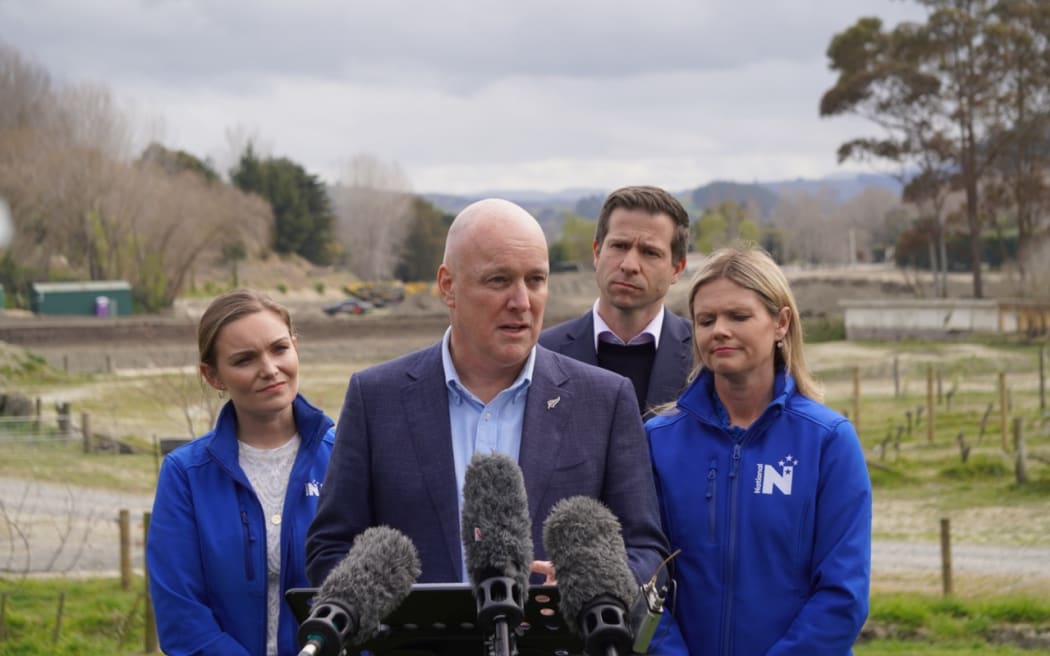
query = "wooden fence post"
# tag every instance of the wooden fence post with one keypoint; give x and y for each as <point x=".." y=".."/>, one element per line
<point x="125" y="549"/>
<point x="151" y="623"/>
<point x="58" y="618"/>
<point x="856" y="399"/>
<point x="1004" y="412"/>
<point x="85" y="431"/>
<point x="1042" y="379"/>
<point x="896" y="377"/>
<point x="1020" y="466"/>
<point x="929" y="404"/>
<point x="946" y="556"/>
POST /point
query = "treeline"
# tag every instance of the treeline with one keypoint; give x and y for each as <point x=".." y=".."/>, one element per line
<point x="85" y="206"/>
<point x="962" y="102"/>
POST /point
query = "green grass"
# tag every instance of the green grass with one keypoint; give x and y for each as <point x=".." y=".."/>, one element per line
<point x="920" y="624"/>
<point x="98" y="617"/>
<point x="65" y="462"/>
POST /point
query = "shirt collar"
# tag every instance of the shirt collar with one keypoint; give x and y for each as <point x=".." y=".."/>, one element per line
<point x="651" y="332"/>
<point x="458" y="389"/>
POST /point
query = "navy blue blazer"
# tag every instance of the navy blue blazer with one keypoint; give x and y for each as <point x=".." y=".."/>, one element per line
<point x="674" y="358"/>
<point x="392" y="462"/>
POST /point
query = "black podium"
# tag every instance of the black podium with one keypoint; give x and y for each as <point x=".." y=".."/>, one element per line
<point x="439" y="619"/>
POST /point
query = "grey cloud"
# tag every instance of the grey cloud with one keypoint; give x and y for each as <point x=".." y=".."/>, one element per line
<point x="459" y="45"/>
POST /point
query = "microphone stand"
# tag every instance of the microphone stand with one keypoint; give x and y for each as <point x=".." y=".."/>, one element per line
<point x="605" y="629"/>
<point x="501" y="605"/>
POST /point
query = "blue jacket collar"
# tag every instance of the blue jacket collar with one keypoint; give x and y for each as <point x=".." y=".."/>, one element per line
<point x="310" y="421"/>
<point x="698" y="397"/>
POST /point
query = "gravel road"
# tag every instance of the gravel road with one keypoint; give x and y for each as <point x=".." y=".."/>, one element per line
<point x="58" y="529"/>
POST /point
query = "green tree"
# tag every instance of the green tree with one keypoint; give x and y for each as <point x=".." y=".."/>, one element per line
<point x="302" y="212"/>
<point x="177" y="161"/>
<point x="232" y="253"/>
<point x="424" y="245"/>
<point x="577" y="240"/>
<point x="729" y="221"/>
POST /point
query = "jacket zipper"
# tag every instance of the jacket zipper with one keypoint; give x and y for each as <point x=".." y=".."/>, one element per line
<point x="249" y="566"/>
<point x="730" y="559"/>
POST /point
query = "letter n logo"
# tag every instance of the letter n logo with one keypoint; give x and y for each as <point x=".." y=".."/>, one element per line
<point x="772" y="478"/>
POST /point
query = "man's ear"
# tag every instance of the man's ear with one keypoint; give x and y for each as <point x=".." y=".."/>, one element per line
<point x="679" y="267"/>
<point x="444" y="283"/>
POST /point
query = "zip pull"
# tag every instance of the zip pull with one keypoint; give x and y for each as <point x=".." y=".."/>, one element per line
<point x="712" y="475"/>
<point x="736" y="460"/>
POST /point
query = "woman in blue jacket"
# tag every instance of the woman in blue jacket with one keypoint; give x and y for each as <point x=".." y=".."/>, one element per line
<point x="230" y="514"/>
<point x="764" y="489"/>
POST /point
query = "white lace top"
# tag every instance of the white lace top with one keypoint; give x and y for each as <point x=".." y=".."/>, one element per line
<point x="268" y="471"/>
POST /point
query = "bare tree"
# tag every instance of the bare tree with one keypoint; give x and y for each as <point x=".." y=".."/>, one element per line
<point x="81" y="206"/>
<point x="373" y="205"/>
<point x="814" y="231"/>
<point x="26" y="90"/>
<point x="865" y="214"/>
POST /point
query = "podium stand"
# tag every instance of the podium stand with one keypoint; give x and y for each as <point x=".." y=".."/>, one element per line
<point x="439" y="619"/>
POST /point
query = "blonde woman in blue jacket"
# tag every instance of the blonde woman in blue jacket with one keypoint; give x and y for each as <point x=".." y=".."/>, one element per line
<point x="230" y="514"/>
<point x="764" y="489"/>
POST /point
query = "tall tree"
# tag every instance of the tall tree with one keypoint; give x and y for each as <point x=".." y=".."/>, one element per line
<point x="303" y="218"/>
<point x="373" y="203"/>
<point x="425" y="244"/>
<point x="1019" y="40"/>
<point x="932" y="88"/>
<point x="727" y="222"/>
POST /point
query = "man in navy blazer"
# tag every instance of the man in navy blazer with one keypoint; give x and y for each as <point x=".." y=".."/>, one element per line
<point x="408" y="426"/>
<point x="640" y="244"/>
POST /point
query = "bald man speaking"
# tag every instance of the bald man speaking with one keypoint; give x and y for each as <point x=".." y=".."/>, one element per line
<point x="409" y="427"/>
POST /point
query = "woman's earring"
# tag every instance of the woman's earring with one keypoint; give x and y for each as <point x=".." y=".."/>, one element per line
<point x="780" y="344"/>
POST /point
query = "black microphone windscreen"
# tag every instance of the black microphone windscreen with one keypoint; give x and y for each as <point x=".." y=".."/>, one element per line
<point x="585" y="544"/>
<point x="495" y="524"/>
<point x="374" y="578"/>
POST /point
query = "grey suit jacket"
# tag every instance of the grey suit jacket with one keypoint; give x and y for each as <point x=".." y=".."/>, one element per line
<point x="674" y="358"/>
<point x="392" y="463"/>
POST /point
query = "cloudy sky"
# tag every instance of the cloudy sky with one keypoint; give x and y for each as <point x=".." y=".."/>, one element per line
<point x="469" y="96"/>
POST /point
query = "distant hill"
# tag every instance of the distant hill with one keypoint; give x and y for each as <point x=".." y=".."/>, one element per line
<point x="716" y="193"/>
<point x="844" y="187"/>
<point x="550" y="207"/>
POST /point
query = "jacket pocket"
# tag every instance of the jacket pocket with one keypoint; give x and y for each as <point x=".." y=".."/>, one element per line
<point x="711" y="499"/>
<point x="249" y="565"/>
<point x="803" y="546"/>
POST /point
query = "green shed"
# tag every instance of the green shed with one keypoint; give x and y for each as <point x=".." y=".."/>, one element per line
<point x="100" y="298"/>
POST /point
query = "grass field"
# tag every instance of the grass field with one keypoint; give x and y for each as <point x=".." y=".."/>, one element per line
<point x="966" y="472"/>
<point x="96" y="616"/>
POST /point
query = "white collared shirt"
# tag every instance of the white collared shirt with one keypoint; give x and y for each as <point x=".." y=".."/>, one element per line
<point x="651" y="332"/>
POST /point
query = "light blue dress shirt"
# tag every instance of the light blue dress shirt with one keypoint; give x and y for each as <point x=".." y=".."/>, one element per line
<point x="494" y="427"/>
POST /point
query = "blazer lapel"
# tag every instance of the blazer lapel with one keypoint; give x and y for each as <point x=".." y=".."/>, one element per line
<point x="671" y="365"/>
<point x="547" y="409"/>
<point x="579" y="342"/>
<point x="425" y="401"/>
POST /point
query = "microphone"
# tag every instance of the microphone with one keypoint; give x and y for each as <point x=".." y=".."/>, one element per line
<point x="370" y="583"/>
<point x="497" y="544"/>
<point x="598" y="594"/>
